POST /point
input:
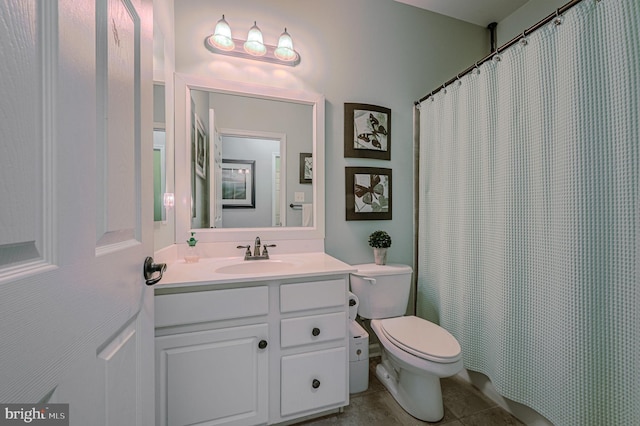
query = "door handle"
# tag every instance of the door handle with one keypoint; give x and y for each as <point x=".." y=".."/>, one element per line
<point x="151" y="268"/>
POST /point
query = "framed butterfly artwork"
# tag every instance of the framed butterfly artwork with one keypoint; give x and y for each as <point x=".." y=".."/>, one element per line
<point x="367" y="131"/>
<point x="368" y="193"/>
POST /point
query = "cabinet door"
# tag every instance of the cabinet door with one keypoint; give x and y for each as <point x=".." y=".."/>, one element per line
<point x="314" y="380"/>
<point x="213" y="377"/>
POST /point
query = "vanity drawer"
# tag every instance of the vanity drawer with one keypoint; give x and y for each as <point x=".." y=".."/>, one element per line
<point x="312" y="295"/>
<point x="312" y="329"/>
<point x="214" y="305"/>
<point x="313" y="380"/>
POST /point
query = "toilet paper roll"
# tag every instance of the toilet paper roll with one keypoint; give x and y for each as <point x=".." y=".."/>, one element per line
<point x="353" y="306"/>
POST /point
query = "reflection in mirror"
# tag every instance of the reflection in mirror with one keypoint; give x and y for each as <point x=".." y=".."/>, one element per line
<point x="229" y="131"/>
<point x="159" y="153"/>
<point x="258" y="181"/>
<point x="263" y="118"/>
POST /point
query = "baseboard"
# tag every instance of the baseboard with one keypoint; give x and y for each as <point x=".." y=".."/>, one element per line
<point x="525" y="414"/>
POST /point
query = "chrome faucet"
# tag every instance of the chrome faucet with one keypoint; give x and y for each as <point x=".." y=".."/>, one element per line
<point x="256" y="251"/>
<point x="256" y="247"/>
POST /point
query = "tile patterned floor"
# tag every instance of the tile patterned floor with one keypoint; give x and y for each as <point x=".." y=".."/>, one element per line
<point x="464" y="405"/>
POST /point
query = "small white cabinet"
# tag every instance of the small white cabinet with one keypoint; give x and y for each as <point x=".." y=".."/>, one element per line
<point x="201" y="375"/>
<point x="312" y="380"/>
<point x="313" y="341"/>
<point x="252" y="353"/>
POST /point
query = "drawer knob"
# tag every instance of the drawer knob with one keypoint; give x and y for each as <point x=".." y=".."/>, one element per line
<point x="315" y="331"/>
<point x="315" y="384"/>
<point x="262" y="344"/>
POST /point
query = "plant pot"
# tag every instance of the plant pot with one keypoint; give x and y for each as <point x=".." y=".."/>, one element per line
<point x="380" y="255"/>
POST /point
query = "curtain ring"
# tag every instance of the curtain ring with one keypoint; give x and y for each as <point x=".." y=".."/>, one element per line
<point x="459" y="81"/>
<point x="524" y="41"/>
<point x="558" y="19"/>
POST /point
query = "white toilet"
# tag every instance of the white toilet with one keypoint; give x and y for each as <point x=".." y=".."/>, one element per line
<point x="416" y="353"/>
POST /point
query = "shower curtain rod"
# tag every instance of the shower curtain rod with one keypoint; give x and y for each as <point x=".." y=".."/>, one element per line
<point x="510" y="43"/>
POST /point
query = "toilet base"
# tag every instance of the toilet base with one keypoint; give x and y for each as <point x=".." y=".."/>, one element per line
<point x="419" y="395"/>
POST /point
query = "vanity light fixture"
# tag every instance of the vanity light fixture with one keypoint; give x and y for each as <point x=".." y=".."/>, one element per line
<point x="223" y="43"/>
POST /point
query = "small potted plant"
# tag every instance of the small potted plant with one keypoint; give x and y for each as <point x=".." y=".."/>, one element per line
<point x="380" y="241"/>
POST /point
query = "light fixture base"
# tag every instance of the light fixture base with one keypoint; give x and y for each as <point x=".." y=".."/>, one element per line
<point x="239" y="52"/>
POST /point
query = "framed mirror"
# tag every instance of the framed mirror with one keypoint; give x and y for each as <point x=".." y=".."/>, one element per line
<point x="237" y="152"/>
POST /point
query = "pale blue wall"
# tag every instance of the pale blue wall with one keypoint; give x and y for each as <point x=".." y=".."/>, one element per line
<point x="368" y="51"/>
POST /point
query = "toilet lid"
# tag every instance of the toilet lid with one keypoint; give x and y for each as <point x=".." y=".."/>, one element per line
<point x="422" y="338"/>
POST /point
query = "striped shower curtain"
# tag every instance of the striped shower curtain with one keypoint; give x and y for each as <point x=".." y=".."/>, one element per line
<point x="529" y="229"/>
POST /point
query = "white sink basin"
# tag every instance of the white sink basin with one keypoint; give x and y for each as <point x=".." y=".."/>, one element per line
<point x="256" y="267"/>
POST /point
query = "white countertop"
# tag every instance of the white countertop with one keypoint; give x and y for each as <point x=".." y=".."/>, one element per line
<point x="208" y="270"/>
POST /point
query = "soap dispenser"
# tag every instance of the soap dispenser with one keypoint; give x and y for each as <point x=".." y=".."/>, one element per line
<point x="191" y="255"/>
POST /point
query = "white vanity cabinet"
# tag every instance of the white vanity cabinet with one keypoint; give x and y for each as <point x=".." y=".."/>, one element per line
<point x="254" y="353"/>
<point x="212" y="357"/>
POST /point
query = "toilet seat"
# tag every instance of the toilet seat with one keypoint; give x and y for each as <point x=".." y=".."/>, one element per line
<point x="422" y="338"/>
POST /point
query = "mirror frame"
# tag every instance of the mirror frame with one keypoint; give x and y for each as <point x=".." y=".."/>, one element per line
<point x="183" y="86"/>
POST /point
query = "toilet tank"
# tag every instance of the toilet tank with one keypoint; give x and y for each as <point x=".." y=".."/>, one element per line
<point x="383" y="290"/>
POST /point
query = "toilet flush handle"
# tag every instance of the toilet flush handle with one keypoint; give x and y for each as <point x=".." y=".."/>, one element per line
<point x="371" y="280"/>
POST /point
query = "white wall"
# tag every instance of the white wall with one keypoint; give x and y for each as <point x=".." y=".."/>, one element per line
<point x="368" y="51"/>
<point x="526" y="16"/>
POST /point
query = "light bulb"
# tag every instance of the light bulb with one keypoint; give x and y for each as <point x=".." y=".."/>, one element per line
<point x="221" y="37"/>
<point x="254" y="44"/>
<point x="285" y="51"/>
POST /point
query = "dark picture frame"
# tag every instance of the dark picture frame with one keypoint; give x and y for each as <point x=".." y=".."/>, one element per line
<point x="367" y="131"/>
<point x="306" y="167"/>
<point x="368" y="193"/>
<point x="238" y="184"/>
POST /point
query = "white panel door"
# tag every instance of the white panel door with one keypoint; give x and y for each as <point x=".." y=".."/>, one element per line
<point x="76" y="220"/>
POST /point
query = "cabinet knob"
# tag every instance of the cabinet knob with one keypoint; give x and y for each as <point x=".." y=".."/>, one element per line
<point x="315" y="384"/>
<point x="262" y="344"/>
<point x="315" y="331"/>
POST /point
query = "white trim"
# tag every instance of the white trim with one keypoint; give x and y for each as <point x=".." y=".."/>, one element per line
<point x="275" y="192"/>
<point x="163" y="172"/>
<point x="49" y="41"/>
